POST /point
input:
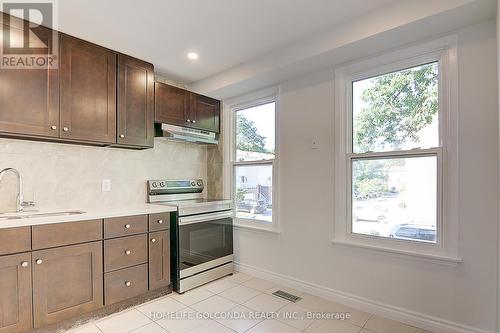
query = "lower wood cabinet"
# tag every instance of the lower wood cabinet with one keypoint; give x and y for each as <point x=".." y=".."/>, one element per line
<point x="126" y="283"/>
<point x="159" y="259"/>
<point x="15" y="293"/>
<point x="67" y="282"/>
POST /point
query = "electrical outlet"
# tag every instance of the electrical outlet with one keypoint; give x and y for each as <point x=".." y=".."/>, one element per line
<point x="106" y="185"/>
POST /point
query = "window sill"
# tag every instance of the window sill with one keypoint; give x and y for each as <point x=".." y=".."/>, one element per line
<point x="256" y="227"/>
<point x="436" y="258"/>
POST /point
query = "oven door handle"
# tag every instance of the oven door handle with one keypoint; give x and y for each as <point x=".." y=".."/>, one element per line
<point x="205" y="218"/>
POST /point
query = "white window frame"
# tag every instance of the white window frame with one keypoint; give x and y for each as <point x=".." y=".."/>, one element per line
<point x="229" y="126"/>
<point x="444" y="51"/>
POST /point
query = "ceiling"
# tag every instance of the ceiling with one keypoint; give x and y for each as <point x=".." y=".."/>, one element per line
<point x="225" y="33"/>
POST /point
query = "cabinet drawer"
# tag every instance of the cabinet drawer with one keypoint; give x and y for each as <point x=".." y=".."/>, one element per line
<point x="125" y="283"/>
<point x="61" y="234"/>
<point x="124" y="226"/>
<point x="124" y="252"/>
<point x="14" y="240"/>
<point x="159" y="222"/>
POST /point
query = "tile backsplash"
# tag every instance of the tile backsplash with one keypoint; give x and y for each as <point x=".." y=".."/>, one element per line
<point x="70" y="176"/>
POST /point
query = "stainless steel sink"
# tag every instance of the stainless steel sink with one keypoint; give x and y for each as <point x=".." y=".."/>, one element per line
<point x="18" y="216"/>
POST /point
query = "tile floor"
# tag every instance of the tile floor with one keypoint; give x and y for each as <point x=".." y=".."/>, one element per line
<point x="247" y="300"/>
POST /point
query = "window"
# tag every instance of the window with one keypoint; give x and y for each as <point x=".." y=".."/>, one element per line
<point x="396" y="153"/>
<point x="253" y="162"/>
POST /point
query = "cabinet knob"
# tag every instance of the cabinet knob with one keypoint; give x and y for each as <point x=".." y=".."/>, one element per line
<point x="53" y="127"/>
<point x="65" y="129"/>
<point x="127" y="226"/>
<point x="160" y="221"/>
<point x="39" y="261"/>
<point x="122" y="136"/>
<point x="128" y="252"/>
<point x="188" y="121"/>
<point x="153" y="240"/>
<point x="128" y="283"/>
<point x="24" y="264"/>
<point x="193" y="121"/>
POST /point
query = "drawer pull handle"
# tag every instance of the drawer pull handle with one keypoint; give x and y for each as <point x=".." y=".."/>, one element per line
<point x="53" y="127"/>
<point x="128" y="283"/>
<point x="39" y="261"/>
<point x="160" y="221"/>
<point x="122" y="136"/>
<point x="127" y="226"/>
<point x="65" y="129"/>
<point x="153" y="240"/>
<point x="24" y="264"/>
<point x="128" y="252"/>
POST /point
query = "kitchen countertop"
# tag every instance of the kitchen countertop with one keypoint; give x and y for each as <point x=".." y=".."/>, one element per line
<point x="89" y="214"/>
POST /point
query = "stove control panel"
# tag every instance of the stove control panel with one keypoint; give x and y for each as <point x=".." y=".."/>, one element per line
<point x="165" y="186"/>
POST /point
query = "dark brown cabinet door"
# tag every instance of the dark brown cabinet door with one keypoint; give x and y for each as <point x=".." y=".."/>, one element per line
<point x="67" y="282"/>
<point x="29" y="98"/>
<point x="87" y="91"/>
<point x="171" y="105"/>
<point x="15" y="293"/>
<point x="135" y="102"/>
<point x="159" y="259"/>
<point x="206" y="111"/>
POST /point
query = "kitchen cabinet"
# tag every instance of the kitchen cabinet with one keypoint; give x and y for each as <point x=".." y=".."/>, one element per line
<point x="206" y="111"/>
<point x="67" y="282"/>
<point x="171" y="105"/>
<point x="56" y="272"/>
<point x="159" y="259"/>
<point x="135" y="102"/>
<point x="87" y="91"/>
<point x="15" y="293"/>
<point x="29" y="98"/>
<point x="180" y="107"/>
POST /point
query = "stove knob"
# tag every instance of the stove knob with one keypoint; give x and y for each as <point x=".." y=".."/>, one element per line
<point x="162" y="184"/>
<point x="199" y="183"/>
<point x="154" y="185"/>
<point x="193" y="183"/>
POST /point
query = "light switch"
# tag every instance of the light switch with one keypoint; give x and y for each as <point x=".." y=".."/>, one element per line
<point x="315" y="142"/>
<point x="106" y="185"/>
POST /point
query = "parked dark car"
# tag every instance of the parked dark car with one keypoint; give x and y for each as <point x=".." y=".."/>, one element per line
<point x="252" y="206"/>
<point x="417" y="232"/>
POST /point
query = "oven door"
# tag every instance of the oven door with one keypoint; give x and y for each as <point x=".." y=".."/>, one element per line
<point x="205" y="242"/>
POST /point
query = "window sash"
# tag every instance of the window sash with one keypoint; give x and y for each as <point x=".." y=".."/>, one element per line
<point x="234" y="165"/>
<point x="437" y="152"/>
<point x="234" y="133"/>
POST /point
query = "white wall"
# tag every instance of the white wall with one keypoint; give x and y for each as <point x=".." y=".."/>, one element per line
<point x="462" y="294"/>
<point x="69" y="176"/>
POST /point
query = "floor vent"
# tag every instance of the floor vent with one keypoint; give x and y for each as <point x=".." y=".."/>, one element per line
<point x="287" y="296"/>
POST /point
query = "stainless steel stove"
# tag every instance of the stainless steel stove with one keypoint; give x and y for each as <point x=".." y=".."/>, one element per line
<point x="202" y="232"/>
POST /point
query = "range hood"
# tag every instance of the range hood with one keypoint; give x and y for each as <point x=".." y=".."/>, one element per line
<point x="177" y="133"/>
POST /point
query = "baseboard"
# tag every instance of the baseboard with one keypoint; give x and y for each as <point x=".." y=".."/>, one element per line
<point x="406" y="316"/>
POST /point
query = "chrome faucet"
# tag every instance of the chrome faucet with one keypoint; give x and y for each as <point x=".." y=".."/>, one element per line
<point x="20" y="203"/>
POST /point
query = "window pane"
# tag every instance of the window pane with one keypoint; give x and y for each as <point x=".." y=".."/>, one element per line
<point x="255" y="130"/>
<point x="254" y="188"/>
<point x="397" y="110"/>
<point x="395" y="197"/>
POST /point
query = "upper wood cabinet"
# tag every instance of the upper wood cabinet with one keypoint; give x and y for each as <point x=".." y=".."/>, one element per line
<point x="171" y="105"/>
<point x="180" y="107"/>
<point x="29" y="98"/>
<point x="67" y="282"/>
<point x="87" y="91"/>
<point x="135" y="102"/>
<point x="15" y="301"/>
<point x="206" y="111"/>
